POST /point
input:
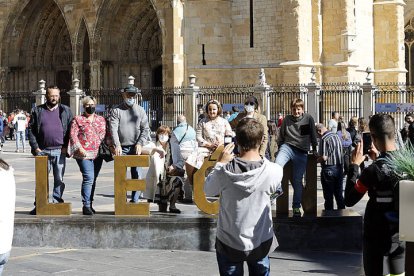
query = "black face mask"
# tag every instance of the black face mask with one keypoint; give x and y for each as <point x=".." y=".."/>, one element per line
<point x="90" y="109"/>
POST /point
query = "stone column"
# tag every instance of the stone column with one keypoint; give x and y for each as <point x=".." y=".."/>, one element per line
<point x="75" y="95"/>
<point x="338" y="40"/>
<point x="297" y="41"/>
<point x="3" y="77"/>
<point x="389" y="41"/>
<point x="313" y="98"/>
<point x="190" y="101"/>
<point x="368" y="101"/>
<point x="261" y="92"/>
<point x="173" y="58"/>
<point x="77" y="68"/>
<point x="41" y="93"/>
<point x="96" y="68"/>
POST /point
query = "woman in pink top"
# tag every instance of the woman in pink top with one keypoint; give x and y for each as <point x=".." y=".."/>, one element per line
<point x="86" y="134"/>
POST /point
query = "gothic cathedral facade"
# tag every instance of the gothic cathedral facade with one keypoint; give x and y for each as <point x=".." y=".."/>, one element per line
<point x="222" y="42"/>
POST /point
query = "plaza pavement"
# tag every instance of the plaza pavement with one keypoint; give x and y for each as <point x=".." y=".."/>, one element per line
<point x="77" y="261"/>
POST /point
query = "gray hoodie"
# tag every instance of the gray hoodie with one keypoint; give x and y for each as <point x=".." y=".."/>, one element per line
<point x="245" y="217"/>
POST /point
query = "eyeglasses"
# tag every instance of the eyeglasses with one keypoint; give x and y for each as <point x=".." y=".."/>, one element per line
<point x="249" y="103"/>
<point x="87" y="105"/>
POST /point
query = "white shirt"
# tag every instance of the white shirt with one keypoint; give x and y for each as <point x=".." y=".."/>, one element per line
<point x="20" y="119"/>
<point x="7" y="207"/>
<point x="333" y="125"/>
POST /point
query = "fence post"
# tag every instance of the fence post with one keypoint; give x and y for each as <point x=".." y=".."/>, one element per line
<point x="261" y="92"/>
<point x="41" y="93"/>
<point x="313" y="99"/>
<point x="190" y="101"/>
<point x="75" y="95"/>
<point x="368" y="96"/>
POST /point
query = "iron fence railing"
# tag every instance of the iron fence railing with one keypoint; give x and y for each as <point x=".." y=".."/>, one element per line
<point x="344" y="98"/>
<point x="12" y="100"/>
<point x="281" y="96"/>
<point x="225" y="94"/>
<point x="400" y="98"/>
<point x="163" y="105"/>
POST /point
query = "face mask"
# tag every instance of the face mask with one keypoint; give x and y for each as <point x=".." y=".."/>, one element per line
<point x="130" y="101"/>
<point x="249" y="108"/>
<point x="90" y="110"/>
<point x="163" y="138"/>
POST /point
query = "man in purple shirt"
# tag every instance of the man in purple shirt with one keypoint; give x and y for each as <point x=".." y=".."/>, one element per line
<point x="49" y="135"/>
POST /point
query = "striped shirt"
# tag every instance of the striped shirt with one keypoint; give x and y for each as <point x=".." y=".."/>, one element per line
<point x="331" y="146"/>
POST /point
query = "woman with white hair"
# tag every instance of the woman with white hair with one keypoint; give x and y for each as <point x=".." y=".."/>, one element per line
<point x="86" y="135"/>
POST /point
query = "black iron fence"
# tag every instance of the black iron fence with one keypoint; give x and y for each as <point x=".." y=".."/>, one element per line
<point x="12" y="100"/>
<point x="163" y="105"/>
<point x="344" y="98"/>
<point x="281" y="96"/>
<point x="396" y="99"/>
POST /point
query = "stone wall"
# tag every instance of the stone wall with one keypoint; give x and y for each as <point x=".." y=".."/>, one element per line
<point x="341" y="38"/>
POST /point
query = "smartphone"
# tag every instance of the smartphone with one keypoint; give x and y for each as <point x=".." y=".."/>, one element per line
<point x="227" y="140"/>
<point x="366" y="139"/>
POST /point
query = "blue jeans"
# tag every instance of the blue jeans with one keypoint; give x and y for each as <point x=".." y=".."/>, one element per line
<point x="227" y="267"/>
<point x="135" y="172"/>
<point x="57" y="162"/>
<point x="20" y="135"/>
<point x="331" y="179"/>
<point x="90" y="170"/>
<point x="3" y="260"/>
<point x="299" y="160"/>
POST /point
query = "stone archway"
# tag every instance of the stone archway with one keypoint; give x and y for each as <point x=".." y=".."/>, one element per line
<point x="127" y="41"/>
<point x="81" y="65"/>
<point x="36" y="45"/>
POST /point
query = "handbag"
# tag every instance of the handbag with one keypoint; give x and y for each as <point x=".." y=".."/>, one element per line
<point x="105" y="152"/>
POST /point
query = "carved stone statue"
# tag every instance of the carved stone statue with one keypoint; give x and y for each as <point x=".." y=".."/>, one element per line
<point x="262" y="78"/>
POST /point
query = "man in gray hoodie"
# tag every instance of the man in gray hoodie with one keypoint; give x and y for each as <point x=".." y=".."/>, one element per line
<point x="245" y="183"/>
<point x="130" y="130"/>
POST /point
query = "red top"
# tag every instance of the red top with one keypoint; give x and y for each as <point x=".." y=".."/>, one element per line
<point x="86" y="134"/>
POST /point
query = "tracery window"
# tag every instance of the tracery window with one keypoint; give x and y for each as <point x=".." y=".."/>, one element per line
<point x="409" y="50"/>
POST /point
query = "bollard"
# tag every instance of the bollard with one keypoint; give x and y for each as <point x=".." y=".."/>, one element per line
<point x="122" y="185"/>
<point x="200" y="199"/>
<point x="43" y="207"/>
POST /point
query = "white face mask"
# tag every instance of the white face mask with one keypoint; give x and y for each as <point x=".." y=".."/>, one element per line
<point x="130" y="101"/>
<point x="249" y="108"/>
<point x="163" y="138"/>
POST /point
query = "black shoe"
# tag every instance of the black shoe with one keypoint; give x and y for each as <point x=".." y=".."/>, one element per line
<point x="175" y="211"/>
<point x="33" y="212"/>
<point x="93" y="210"/>
<point x="186" y="201"/>
<point x="87" y="211"/>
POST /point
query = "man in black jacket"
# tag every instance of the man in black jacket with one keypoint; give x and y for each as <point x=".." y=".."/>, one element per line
<point x="383" y="252"/>
<point x="49" y="135"/>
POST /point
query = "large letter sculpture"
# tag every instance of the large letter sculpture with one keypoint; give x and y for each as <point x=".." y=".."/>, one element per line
<point x="199" y="178"/>
<point x="43" y="207"/>
<point x="122" y="185"/>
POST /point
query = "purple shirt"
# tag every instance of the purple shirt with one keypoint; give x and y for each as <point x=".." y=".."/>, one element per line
<point x="51" y="130"/>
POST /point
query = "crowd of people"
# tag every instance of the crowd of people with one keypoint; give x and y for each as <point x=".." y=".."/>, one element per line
<point x="249" y="169"/>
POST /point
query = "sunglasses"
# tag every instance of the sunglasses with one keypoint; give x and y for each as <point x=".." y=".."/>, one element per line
<point x="249" y="103"/>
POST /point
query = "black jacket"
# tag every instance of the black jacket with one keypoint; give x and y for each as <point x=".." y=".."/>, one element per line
<point x="34" y="125"/>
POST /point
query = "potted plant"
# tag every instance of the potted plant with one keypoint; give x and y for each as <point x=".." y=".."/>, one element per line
<point x="402" y="163"/>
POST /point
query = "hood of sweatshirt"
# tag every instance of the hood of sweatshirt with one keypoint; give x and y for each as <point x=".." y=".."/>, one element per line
<point x="247" y="176"/>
